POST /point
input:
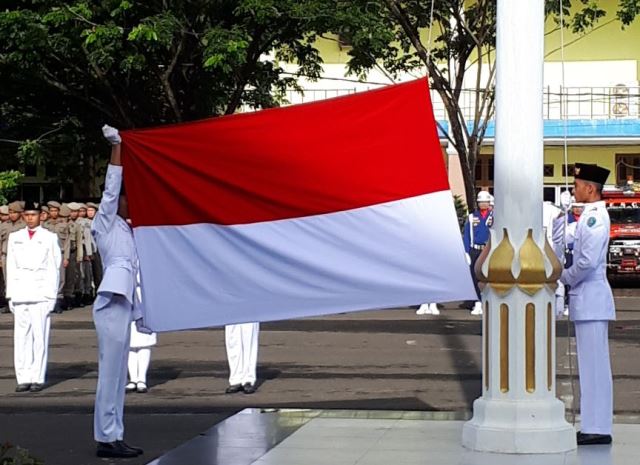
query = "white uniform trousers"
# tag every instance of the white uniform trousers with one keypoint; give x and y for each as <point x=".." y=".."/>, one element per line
<point x="596" y="384"/>
<point x="139" y="364"/>
<point x="113" y="325"/>
<point x="242" y="352"/>
<point x="31" y="340"/>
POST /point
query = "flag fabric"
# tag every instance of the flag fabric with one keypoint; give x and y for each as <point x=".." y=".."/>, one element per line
<point x="326" y="207"/>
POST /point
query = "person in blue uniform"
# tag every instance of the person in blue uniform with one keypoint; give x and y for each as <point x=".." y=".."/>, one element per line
<point x="113" y="309"/>
<point x="476" y="236"/>
<point x="591" y="306"/>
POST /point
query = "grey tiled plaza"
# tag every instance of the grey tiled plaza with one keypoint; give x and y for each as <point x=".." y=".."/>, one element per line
<point x="310" y="437"/>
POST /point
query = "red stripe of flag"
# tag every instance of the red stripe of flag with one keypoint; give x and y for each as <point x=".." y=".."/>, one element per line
<point x="321" y="157"/>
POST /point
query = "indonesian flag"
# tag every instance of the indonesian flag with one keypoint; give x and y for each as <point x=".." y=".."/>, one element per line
<point x="313" y="209"/>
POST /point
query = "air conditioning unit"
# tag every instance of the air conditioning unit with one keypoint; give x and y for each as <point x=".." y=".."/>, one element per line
<point x="620" y="101"/>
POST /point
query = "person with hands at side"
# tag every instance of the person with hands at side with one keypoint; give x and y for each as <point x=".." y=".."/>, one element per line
<point x="591" y="306"/>
<point x="33" y="272"/>
<point x="113" y="309"/>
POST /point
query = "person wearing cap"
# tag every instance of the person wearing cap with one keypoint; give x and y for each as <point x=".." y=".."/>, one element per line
<point x="33" y="271"/>
<point x="71" y="292"/>
<point x="4" y="231"/>
<point x="44" y="215"/>
<point x="475" y="238"/>
<point x="59" y="217"/>
<point x="86" y="272"/>
<point x="96" y="262"/>
<point x="113" y="309"/>
<point x="591" y="305"/>
<point x="14" y="224"/>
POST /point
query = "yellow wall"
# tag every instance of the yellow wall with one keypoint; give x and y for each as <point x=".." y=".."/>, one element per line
<point x="607" y="41"/>
<point x="602" y="155"/>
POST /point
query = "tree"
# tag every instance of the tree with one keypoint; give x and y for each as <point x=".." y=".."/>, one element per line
<point x="68" y="67"/>
<point x="393" y="35"/>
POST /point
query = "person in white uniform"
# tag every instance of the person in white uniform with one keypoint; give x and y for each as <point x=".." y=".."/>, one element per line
<point x="33" y="275"/>
<point x="139" y="358"/>
<point x="113" y="309"/>
<point x="591" y="306"/>
<point x="241" y="341"/>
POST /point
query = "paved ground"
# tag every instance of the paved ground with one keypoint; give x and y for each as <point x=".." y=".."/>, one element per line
<point x="389" y="359"/>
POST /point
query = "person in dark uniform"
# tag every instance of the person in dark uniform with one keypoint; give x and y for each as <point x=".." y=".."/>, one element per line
<point x="475" y="238"/>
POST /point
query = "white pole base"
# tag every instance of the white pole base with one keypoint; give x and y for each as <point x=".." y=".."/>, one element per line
<point x="518" y="427"/>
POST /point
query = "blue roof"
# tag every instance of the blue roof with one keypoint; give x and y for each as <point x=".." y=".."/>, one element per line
<point x="576" y="128"/>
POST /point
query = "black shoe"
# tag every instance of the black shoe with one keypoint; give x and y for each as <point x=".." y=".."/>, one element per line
<point x="115" y="449"/>
<point x="249" y="388"/>
<point x="233" y="389"/>
<point x="87" y="299"/>
<point x="66" y="303"/>
<point x="4" y="310"/>
<point x="36" y="387"/>
<point x="24" y="387"/>
<point x="586" y="439"/>
<point x="77" y="301"/>
<point x="137" y="450"/>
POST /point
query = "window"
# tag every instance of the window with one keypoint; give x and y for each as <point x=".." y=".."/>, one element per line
<point x="548" y="170"/>
<point x="549" y="194"/>
<point x="627" y="166"/>
<point x="484" y="172"/>
<point x="572" y="170"/>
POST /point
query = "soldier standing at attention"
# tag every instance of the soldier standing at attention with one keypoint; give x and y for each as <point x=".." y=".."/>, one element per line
<point x="62" y="230"/>
<point x="33" y="269"/>
<point x="71" y="289"/>
<point x="86" y="282"/>
<point x="96" y="263"/>
<point x="591" y="306"/>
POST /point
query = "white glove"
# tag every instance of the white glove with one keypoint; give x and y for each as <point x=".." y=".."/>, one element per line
<point x="468" y="257"/>
<point x="111" y="134"/>
<point x="565" y="200"/>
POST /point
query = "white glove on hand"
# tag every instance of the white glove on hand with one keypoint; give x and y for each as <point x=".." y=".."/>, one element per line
<point x="111" y="134"/>
<point x="565" y="200"/>
<point x="468" y="257"/>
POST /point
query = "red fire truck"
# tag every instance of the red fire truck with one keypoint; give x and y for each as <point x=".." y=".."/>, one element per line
<point x="624" y="243"/>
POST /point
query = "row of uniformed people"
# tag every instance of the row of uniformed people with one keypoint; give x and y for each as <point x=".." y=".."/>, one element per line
<point x="81" y="268"/>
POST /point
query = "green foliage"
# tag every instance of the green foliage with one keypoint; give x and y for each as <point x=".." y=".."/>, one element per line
<point x="71" y="66"/>
<point x="8" y="182"/>
<point x="16" y="456"/>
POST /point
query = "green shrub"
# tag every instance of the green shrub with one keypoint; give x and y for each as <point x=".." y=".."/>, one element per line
<point x="10" y="455"/>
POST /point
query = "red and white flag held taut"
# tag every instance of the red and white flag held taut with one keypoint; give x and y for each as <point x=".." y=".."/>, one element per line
<point x="313" y="209"/>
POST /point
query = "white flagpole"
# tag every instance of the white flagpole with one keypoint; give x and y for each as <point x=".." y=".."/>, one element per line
<point x="518" y="411"/>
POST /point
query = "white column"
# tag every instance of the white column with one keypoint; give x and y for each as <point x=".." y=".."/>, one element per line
<point x="518" y="411"/>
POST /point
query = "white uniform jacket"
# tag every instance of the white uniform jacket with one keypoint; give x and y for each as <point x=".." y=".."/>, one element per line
<point x="590" y="296"/>
<point x="115" y="244"/>
<point x="33" y="266"/>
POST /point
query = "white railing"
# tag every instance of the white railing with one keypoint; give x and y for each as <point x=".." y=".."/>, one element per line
<point x="617" y="102"/>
